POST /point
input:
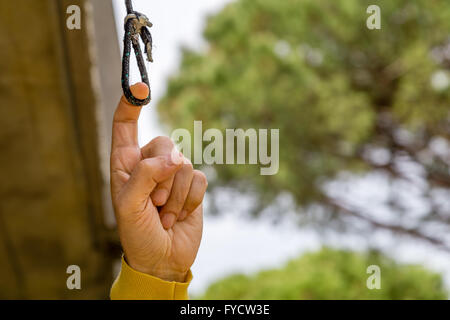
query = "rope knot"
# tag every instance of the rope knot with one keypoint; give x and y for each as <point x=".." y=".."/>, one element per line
<point x="139" y="21"/>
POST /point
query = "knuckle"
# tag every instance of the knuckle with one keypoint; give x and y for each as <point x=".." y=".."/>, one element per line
<point x="163" y="141"/>
<point x="178" y="198"/>
<point x="140" y="166"/>
<point x="145" y="166"/>
<point x="194" y="201"/>
<point x="160" y="145"/>
<point x="201" y="177"/>
<point x="188" y="167"/>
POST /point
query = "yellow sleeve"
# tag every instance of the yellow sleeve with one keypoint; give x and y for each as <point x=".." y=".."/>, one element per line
<point x="134" y="285"/>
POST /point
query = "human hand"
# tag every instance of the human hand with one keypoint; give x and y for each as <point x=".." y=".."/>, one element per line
<point x="157" y="198"/>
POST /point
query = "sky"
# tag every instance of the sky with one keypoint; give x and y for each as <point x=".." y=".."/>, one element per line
<point x="230" y="242"/>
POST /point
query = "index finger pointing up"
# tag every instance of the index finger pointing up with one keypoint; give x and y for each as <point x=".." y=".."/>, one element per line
<point x="125" y="124"/>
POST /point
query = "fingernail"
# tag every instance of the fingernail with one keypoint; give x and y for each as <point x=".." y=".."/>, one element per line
<point x="176" y="157"/>
<point x="160" y="196"/>
<point x="140" y="90"/>
<point x="182" y="215"/>
<point x="168" y="219"/>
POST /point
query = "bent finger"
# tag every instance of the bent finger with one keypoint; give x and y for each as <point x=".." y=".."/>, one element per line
<point x="160" y="146"/>
<point x="180" y="189"/>
<point x="146" y="175"/>
<point x="196" y="194"/>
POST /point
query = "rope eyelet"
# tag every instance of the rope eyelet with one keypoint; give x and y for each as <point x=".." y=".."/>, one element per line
<point x="136" y="25"/>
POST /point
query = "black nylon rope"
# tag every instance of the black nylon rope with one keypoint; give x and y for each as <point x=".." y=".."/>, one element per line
<point x="136" y="25"/>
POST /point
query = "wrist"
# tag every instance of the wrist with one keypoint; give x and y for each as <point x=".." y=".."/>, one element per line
<point x="169" y="275"/>
<point x="165" y="274"/>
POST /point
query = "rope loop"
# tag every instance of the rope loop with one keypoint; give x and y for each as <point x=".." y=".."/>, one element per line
<point x="136" y="25"/>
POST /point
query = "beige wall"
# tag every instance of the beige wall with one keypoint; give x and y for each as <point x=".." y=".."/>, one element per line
<point x="56" y="104"/>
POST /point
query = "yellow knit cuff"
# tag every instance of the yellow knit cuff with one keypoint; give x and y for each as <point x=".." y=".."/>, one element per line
<point x="135" y="285"/>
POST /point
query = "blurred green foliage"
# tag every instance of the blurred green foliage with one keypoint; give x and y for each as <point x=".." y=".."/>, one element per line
<point x="336" y="90"/>
<point x="333" y="87"/>
<point x="332" y="274"/>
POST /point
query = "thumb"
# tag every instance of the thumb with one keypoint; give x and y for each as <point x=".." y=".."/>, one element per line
<point x="144" y="178"/>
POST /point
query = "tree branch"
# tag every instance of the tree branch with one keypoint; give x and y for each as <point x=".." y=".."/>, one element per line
<point x="340" y="208"/>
